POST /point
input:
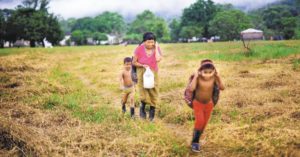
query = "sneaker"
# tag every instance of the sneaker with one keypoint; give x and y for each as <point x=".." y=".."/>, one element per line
<point x="196" y="147"/>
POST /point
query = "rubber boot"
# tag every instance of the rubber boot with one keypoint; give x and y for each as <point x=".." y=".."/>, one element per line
<point x="152" y="113"/>
<point x="132" y="112"/>
<point x="123" y="108"/>
<point x="142" y="110"/>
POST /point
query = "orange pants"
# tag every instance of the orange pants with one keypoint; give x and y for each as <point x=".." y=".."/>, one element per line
<point x="202" y="113"/>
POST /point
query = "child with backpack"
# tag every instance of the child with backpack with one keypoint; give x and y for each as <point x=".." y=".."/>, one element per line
<point x="127" y="85"/>
<point x="201" y="95"/>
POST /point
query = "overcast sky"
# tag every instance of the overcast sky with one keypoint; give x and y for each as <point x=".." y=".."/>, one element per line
<point x="82" y="8"/>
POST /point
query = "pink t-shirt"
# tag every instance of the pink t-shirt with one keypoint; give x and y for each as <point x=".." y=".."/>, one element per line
<point x="142" y="57"/>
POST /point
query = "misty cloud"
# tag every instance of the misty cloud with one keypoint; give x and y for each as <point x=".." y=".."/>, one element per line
<point x="247" y="4"/>
<point x="80" y="8"/>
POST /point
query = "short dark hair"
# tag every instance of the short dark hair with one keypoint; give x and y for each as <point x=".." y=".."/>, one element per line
<point x="206" y="61"/>
<point x="127" y="59"/>
<point x="206" y="64"/>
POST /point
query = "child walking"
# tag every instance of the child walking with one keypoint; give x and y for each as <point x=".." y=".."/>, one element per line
<point x="127" y="85"/>
<point x="202" y="85"/>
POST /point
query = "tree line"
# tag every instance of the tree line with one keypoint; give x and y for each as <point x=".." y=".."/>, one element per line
<point x="114" y="24"/>
<point x="204" y="18"/>
<point x="29" y="21"/>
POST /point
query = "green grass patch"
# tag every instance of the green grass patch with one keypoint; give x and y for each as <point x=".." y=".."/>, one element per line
<point x="98" y="115"/>
<point x="78" y="98"/>
<point x="216" y="116"/>
<point x="10" y="51"/>
<point x="165" y="109"/>
<point x="234" y="114"/>
<point x="171" y="85"/>
<point x="296" y="64"/>
<point x="260" y="51"/>
<point x="52" y="101"/>
<point x="149" y="127"/>
<point x="179" y="150"/>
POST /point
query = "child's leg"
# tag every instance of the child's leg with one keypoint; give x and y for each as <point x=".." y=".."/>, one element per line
<point x="199" y="115"/>
<point x="124" y="101"/>
<point x="199" y="121"/>
<point x="132" y="103"/>
<point x="131" y="97"/>
<point x="124" y="98"/>
<point x="207" y="112"/>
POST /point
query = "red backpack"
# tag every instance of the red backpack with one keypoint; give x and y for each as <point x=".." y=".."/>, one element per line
<point x="190" y="95"/>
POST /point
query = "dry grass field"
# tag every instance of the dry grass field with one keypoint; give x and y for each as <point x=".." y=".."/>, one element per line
<point x="65" y="101"/>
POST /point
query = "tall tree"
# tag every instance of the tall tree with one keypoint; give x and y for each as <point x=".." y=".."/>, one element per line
<point x="67" y="25"/>
<point x="229" y="24"/>
<point x="44" y="4"/>
<point x="36" y="4"/>
<point x="85" y="23"/>
<point x="224" y="7"/>
<point x="175" y="30"/>
<point x="99" y="36"/>
<point x="34" y="24"/>
<point x="78" y="37"/>
<point x="2" y="29"/>
<point x="31" y="25"/>
<point x="12" y="30"/>
<point x="54" y="32"/>
<point x="280" y="19"/>
<point x="188" y="32"/>
<point x="198" y="15"/>
<point x="30" y="4"/>
<point x="148" y="22"/>
<point x="110" y="22"/>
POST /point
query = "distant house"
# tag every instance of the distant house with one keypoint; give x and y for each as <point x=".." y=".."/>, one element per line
<point x="193" y="39"/>
<point x="91" y="41"/>
<point x="21" y="43"/>
<point x="215" y="38"/>
<point x="252" y="34"/>
<point x="6" y="44"/>
<point x="113" y="39"/>
<point x="64" y="41"/>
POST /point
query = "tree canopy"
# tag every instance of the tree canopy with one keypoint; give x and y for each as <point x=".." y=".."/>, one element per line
<point x="148" y="22"/>
<point x="229" y="24"/>
<point x="30" y="21"/>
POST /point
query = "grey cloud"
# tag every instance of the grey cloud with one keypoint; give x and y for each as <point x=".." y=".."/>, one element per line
<point x="81" y="8"/>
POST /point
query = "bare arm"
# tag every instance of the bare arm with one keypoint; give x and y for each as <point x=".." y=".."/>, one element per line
<point x="193" y="84"/>
<point x="157" y="54"/>
<point x="219" y="81"/>
<point x="121" y="81"/>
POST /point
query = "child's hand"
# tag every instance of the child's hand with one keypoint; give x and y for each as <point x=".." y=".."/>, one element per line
<point x="217" y="74"/>
<point x="197" y="73"/>
<point x="145" y="66"/>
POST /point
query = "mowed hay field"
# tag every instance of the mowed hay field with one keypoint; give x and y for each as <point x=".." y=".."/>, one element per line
<point x="65" y="101"/>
